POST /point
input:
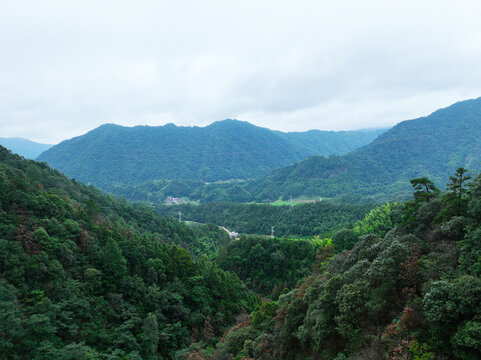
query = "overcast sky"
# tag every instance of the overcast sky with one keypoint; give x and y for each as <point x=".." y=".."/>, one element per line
<point x="68" y="66"/>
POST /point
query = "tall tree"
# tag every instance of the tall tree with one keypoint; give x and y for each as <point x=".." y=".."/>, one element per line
<point x="457" y="190"/>
<point x="150" y="336"/>
<point x="424" y="189"/>
<point x="113" y="262"/>
<point x="208" y="330"/>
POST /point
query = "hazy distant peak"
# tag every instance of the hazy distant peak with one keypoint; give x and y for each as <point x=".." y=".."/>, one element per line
<point x="109" y="126"/>
<point x="232" y="123"/>
<point x="24" y="147"/>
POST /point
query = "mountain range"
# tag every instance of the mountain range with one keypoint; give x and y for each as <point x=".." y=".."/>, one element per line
<point x="229" y="149"/>
<point x="433" y="146"/>
<point x="144" y="163"/>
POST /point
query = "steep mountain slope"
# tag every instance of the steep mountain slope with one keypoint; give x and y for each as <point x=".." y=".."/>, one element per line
<point x="409" y="289"/>
<point x="432" y="146"/>
<point x="83" y="276"/>
<point x="24" y="147"/>
<point x="326" y="143"/>
<point x="228" y="149"/>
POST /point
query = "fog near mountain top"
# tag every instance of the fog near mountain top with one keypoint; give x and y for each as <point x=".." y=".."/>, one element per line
<point x="67" y="66"/>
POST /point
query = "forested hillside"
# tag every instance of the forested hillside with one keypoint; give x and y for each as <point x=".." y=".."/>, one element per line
<point x="270" y="266"/>
<point x="326" y="143"/>
<point x="308" y="219"/>
<point x="432" y="146"/>
<point x="112" y="155"/>
<point x="83" y="276"/>
<point x="407" y="287"/>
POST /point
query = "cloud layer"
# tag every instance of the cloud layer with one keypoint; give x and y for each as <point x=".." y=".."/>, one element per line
<point x="68" y="66"/>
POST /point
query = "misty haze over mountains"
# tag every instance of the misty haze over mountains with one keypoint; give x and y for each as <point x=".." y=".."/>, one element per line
<point x="24" y="147"/>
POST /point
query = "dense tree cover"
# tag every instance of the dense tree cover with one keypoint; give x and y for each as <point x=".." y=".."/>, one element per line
<point x="432" y="146"/>
<point x="24" y="147"/>
<point x="378" y="221"/>
<point x="156" y="191"/>
<point x="270" y="265"/>
<point x="113" y="157"/>
<point x="83" y="276"/>
<point x="308" y="219"/>
<point x="413" y="292"/>
<point x="328" y="143"/>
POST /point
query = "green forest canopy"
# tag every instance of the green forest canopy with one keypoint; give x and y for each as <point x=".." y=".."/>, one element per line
<point x="85" y="276"/>
<point x="407" y="287"/>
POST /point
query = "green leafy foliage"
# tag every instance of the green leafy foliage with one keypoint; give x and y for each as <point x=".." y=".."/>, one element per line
<point x="83" y="276"/>
<point x="406" y="290"/>
<point x="269" y="265"/>
<point x="308" y="219"/>
<point x="377" y="222"/>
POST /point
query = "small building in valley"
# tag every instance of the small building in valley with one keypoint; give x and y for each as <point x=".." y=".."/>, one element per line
<point x="170" y="200"/>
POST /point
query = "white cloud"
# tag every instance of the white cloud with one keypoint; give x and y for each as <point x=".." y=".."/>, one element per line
<point x="67" y="66"/>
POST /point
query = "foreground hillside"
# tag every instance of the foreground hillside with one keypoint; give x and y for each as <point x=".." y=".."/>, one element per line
<point x="83" y="276"/>
<point x="113" y="155"/>
<point x="432" y="146"/>
<point x="411" y="293"/>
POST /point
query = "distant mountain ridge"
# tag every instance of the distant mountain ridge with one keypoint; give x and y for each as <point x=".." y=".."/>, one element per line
<point x="432" y="146"/>
<point x="230" y="149"/>
<point x="24" y="147"/>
